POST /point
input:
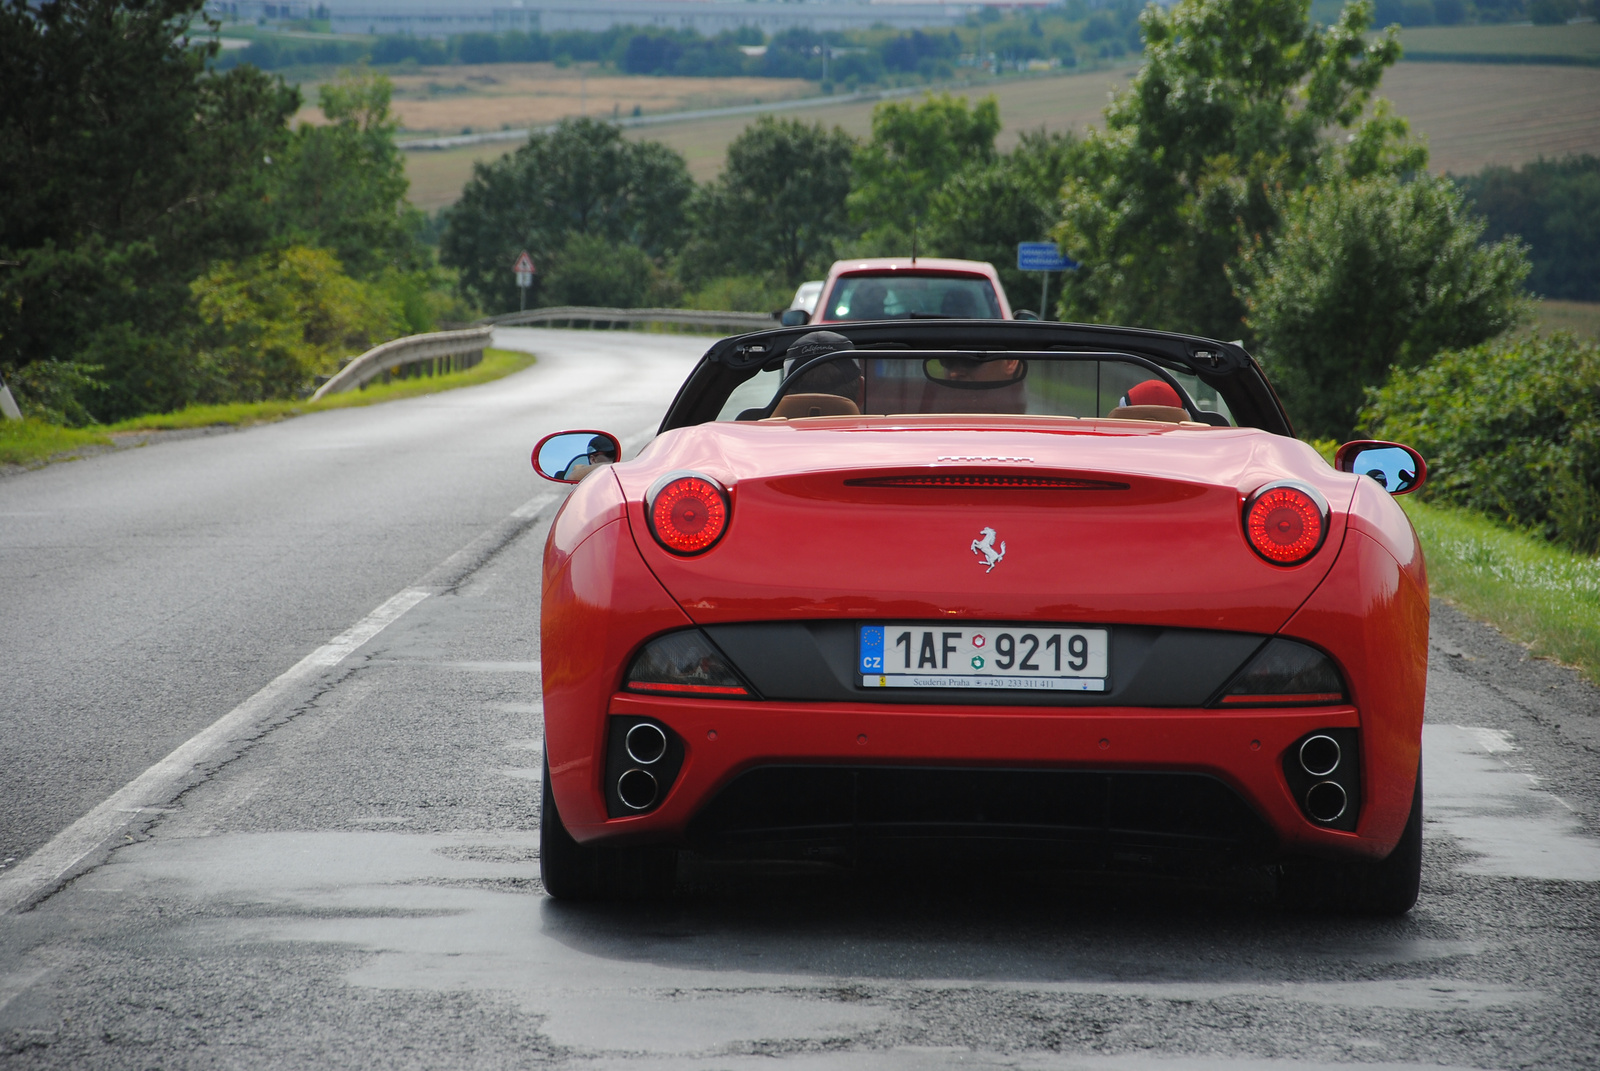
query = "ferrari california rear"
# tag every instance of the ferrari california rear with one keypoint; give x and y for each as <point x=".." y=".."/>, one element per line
<point x="1060" y="595"/>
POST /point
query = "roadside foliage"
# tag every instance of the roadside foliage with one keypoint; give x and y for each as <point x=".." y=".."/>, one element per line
<point x="1510" y="429"/>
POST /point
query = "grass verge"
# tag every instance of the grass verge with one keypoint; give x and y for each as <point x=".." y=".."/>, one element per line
<point x="1535" y="593"/>
<point x="29" y="441"/>
<point x="23" y="441"/>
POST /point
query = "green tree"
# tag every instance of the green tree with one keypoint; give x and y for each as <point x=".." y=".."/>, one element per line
<point x="915" y="149"/>
<point x="1554" y="206"/>
<point x="1369" y="275"/>
<point x="583" y="178"/>
<point x="124" y="168"/>
<point x="342" y="185"/>
<point x="778" y="207"/>
<point x="1232" y="105"/>
<point x="983" y="211"/>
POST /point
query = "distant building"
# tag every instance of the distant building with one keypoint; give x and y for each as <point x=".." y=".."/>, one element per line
<point x="443" y="18"/>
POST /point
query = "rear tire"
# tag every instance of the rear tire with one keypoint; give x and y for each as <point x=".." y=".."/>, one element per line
<point x="573" y="871"/>
<point x="1387" y="888"/>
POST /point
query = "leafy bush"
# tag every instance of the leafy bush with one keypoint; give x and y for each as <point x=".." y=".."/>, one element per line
<point x="55" y="391"/>
<point x="274" y="321"/>
<point x="741" y="293"/>
<point x="590" y="269"/>
<point x="1510" y="428"/>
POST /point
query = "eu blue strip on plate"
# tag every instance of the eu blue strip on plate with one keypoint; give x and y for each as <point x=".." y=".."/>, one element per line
<point x="872" y="648"/>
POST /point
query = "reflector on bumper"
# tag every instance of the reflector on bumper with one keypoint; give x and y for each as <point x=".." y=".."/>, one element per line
<point x="1284" y="673"/>
<point x="683" y="663"/>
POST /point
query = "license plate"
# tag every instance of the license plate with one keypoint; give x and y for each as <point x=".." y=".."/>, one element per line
<point x="989" y="656"/>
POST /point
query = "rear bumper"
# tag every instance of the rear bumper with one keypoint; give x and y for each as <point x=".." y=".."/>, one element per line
<point x="1242" y="751"/>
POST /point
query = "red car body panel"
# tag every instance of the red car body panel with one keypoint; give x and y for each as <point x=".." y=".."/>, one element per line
<point x="1169" y="550"/>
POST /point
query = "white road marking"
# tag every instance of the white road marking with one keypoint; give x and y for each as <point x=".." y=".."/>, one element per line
<point x="77" y="845"/>
<point x="532" y="507"/>
<point x="1500" y="813"/>
<point x="56" y="861"/>
<point x="1492" y="741"/>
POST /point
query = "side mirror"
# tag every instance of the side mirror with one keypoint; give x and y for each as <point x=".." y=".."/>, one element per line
<point x="794" y="317"/>
<point x="1397" y="468"/>
<point x="569" y="456"/>
<point x="1024" y="314"/>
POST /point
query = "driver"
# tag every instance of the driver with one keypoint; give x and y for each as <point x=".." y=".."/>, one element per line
<point x="842" y="377"/>
<point x="602" y="451"/>
<point x="972" y="370"/>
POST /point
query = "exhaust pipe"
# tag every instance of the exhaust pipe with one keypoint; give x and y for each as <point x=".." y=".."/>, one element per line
<point x="645" y="744"/>
<point x="1326" y="801"/>
<point x="638" y="789"/>
<point x="1319" y="756"/>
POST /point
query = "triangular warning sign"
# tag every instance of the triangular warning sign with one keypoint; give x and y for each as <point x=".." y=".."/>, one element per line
<point x="524" y="263"/>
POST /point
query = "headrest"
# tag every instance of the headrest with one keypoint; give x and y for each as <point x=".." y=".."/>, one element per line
<point x="1169" y="414"/>
<point x="794" y="406"/>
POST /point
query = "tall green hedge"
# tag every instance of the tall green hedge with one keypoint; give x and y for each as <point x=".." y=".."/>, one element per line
<point x="1510" y="428"/>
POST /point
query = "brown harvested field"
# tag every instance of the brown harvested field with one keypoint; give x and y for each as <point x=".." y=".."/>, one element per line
<point x="498" y="96"/>
<point x="1070" y="102"/>
<point x="1476" y="114"/>
<point x="1472" y="115"/>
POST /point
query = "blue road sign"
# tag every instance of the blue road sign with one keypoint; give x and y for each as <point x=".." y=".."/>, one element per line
<point x="1042" y="256"/>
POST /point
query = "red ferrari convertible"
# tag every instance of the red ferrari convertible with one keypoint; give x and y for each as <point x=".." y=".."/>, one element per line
<point x="1068" y="595"/>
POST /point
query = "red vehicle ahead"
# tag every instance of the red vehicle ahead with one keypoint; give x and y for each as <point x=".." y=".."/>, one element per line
<point x="1068" y="592"/>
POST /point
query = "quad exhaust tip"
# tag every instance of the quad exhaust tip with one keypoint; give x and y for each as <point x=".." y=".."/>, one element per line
<point x="1326" y="801"/>
<point x="638" y="788"/>
<point x="1319" y="757"/>
<point x="645" y="744"/>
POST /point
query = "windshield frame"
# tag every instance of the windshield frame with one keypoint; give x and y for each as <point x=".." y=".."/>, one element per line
<point x="1226" y="367"/>
<point x="802" y="368"/>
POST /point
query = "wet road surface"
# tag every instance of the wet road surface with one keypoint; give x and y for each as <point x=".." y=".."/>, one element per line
<point x="357" y="885"/>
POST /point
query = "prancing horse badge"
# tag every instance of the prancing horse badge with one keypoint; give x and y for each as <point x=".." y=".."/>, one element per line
<point x="984" y="545"/>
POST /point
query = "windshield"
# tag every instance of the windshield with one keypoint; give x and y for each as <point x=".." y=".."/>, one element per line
<point x="901" y="295"/>
<point x="1038" y="385"/>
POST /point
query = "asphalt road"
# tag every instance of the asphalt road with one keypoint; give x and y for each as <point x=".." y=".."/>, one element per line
<point x="352" y="879"/>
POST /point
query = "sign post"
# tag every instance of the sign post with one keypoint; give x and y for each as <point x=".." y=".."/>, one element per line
<point x="1043" y="257"/>
<point x="524" y="269"/>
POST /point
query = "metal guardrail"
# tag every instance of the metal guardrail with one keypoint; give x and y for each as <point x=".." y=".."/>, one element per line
<point x="747" y="321"/>
<point x="408" y="350"/>
<point x="416" y="348"/>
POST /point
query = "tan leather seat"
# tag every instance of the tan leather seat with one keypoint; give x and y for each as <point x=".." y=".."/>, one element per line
<point x="1169" y="414"/>
<point x="794" y="406"/>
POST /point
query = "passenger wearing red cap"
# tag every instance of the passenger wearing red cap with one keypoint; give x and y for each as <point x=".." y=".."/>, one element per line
<point x="1152" y="392"/>
<point x="1151" y="400"/>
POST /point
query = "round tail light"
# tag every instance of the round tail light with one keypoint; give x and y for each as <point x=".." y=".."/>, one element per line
<point x="1286" y="523"/>
<point x="688" y="512"/>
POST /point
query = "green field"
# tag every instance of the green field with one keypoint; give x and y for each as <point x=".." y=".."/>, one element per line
<point x="1579" y="41"/>
<point x="1582" y="318"/>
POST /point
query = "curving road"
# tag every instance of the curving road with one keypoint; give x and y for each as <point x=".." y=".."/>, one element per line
<point x="351" y="879"/>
